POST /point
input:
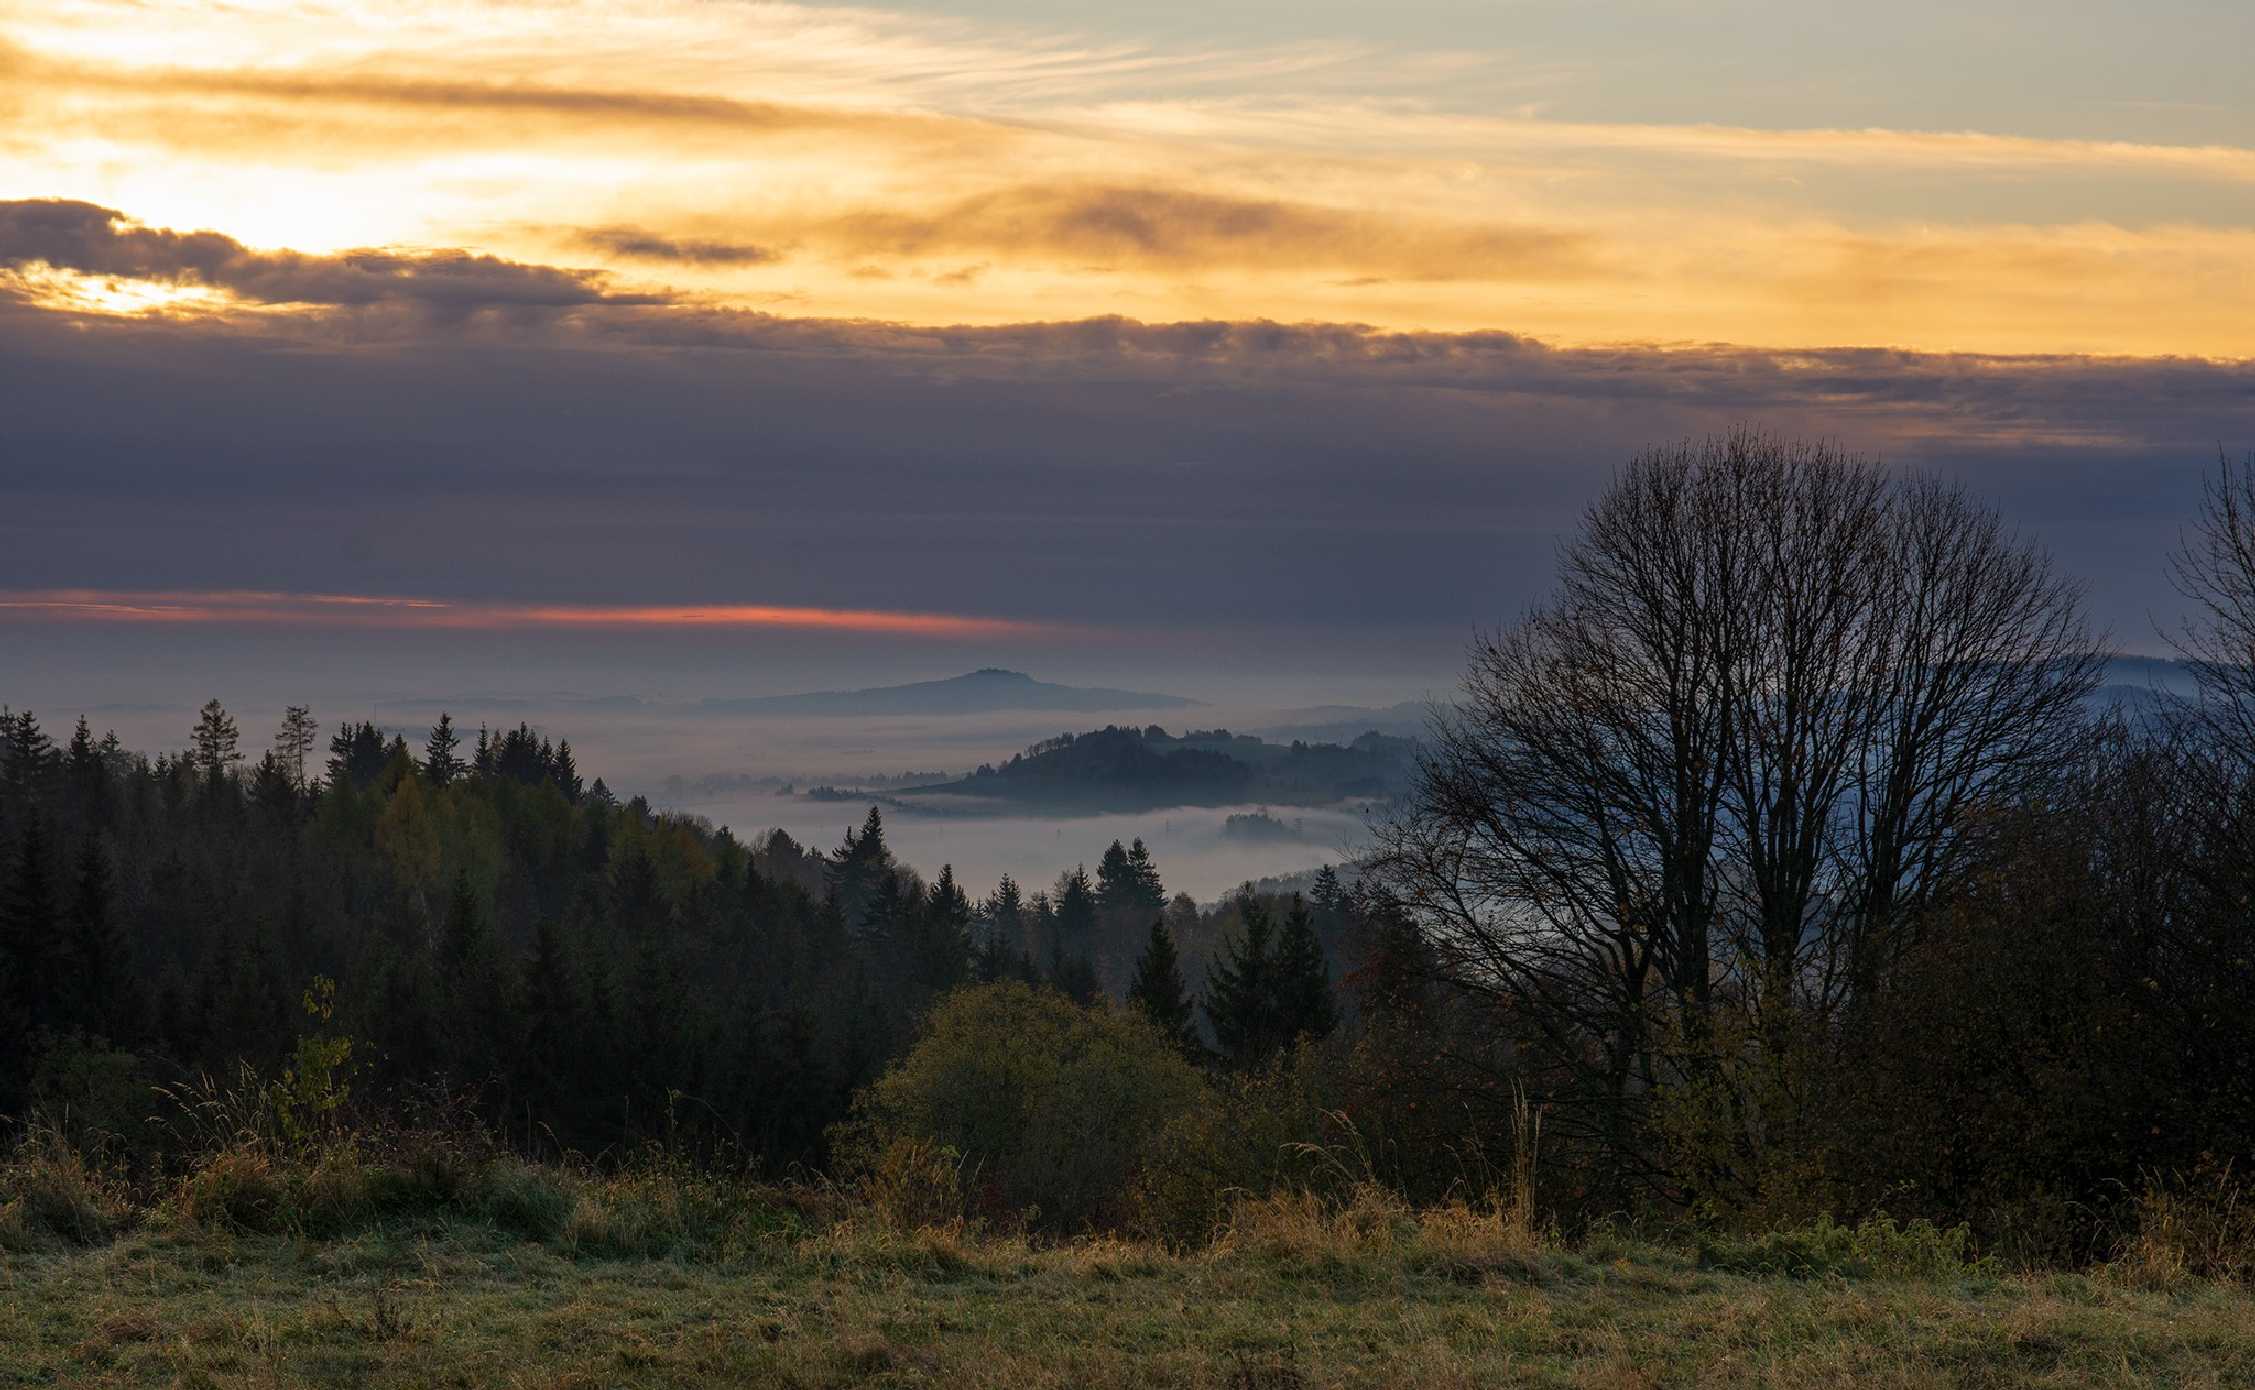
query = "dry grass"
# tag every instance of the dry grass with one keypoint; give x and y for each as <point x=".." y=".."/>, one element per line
<point x="50" y="1192"/>
<point x="334" y="1270"/>
<point x="1361" y="1294"/>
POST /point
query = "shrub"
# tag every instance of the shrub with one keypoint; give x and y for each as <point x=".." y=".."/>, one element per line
<point x="1873" y="1248"/>
<point x="236" y="1189"/>
<point x="1053" y="1108"/>
<point x="93" y="1094"/>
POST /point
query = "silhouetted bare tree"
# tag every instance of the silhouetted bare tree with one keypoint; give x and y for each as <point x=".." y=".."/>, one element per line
<point x="1732" y="755"/>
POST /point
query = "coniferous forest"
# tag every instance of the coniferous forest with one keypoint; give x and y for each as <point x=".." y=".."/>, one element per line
<point x="489" y="925"/>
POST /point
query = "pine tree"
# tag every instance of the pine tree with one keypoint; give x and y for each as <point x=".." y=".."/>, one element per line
<point x="1150" y="892"/>
<point x="945" y="940"/>
<point x="481" y="761"/>
<point x="1304" y="1005"/>
<point x="357" y="755"/>
<point x="272" y="790"/>
<point x="859" y="867"/>
<point x="294" y="741"/>
<point x="27" y="758"/>
<point x="1116" y="888"/>
<point x="566" y="773"/>
<point x="217" y="743"/>
<point x="1241" y="992"/>
<point x="1159" y="993"/>
<point x="441" y="764"/>
<point x="1005" y="914"/>
<point x="1072" y="937"/>
<point x="1076" y="907"/>
<point x="88" y="775"/>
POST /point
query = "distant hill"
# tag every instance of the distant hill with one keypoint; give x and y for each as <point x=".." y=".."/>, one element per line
<point x="1345" y="723"/>
<point x="1116" y="769"/>
<point x="2144" y="683"/>
<point x="979" y="692"/>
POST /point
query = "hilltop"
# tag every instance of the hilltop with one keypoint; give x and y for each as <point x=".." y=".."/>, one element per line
<point x="1125" y="769"/>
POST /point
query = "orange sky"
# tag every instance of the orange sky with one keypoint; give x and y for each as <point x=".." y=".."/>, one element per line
<point x="328" y="611"/>
<point x="867" y="164"/>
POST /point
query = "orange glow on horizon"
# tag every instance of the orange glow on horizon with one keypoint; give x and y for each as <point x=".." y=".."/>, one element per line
<point x="257" y="608"/>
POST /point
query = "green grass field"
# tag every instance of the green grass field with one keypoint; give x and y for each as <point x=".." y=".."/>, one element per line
<point x="447" y="1301"/>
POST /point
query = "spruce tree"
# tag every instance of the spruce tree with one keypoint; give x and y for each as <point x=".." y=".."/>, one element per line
<point x="565" y="772"/>
<point x="1150" y="892"/>
<point x="441" y="764"/>
<point x="944" y="945"/>
<point x="1005" y="914"/>
<point x="1158" y="991"/>
<point x="88" y="775"/>
<point x="1115" y="880"/>
<point x="217" y="742"/>
<point x="1076" y="907"/>
<point x="1241" y="992"/>
<point x="27" y="757"/>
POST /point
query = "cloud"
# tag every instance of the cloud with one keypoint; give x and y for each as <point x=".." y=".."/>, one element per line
<point x="90" y="240"/>
<point x="641" y="244"/>
<point x="666" y="455"/>
<point x="254" y="608"/>
<point x="1180" y="229"/>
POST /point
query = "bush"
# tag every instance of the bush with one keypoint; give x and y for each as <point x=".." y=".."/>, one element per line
<point x="1053" y="1107"/>
<point x="236" y="1189"/>
<point x="1872" y="1248"/>
<point x="94" y="1095"/>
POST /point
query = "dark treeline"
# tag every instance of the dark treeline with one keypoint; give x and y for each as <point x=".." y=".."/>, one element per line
<point x="590" y="971"/>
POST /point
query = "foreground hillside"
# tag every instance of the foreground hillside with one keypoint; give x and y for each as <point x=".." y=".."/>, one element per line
<point x="1285" y="1302"/>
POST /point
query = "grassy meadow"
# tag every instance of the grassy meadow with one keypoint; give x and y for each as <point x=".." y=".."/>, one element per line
<point x="248" y="1275"/>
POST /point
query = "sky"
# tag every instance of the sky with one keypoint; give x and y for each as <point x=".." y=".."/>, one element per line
<point x="689" y="348"/>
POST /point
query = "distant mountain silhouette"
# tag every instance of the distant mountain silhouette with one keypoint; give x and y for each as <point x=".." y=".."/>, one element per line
<point x="979" y="692"/>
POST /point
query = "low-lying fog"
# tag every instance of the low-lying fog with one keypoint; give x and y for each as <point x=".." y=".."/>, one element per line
<point x="1193" y="853"/>
<point x="642" y="732"/>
